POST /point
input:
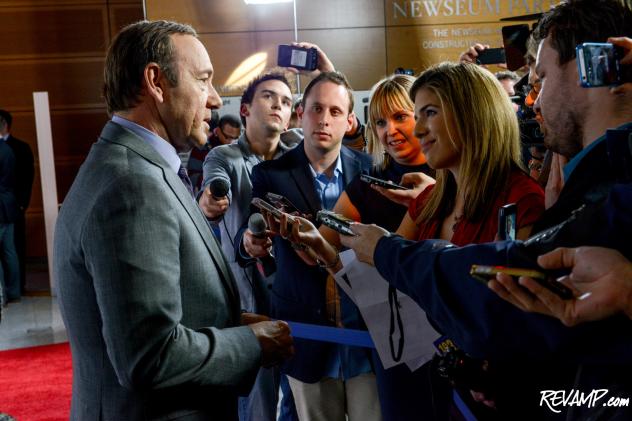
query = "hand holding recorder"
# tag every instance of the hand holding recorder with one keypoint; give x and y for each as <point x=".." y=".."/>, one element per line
<point x="601" y="281"/>
<point x="410" y="186"/>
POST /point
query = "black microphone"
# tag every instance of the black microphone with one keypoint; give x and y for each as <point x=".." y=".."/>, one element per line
<point x="219" y="188"/>
<point x="258" y="226"/>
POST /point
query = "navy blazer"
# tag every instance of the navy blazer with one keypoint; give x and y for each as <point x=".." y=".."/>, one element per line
<point x="537" y="352"/>
<point x="298" y="292"/>
<point x="24" y="171"/>
<point x="8" y="202"/>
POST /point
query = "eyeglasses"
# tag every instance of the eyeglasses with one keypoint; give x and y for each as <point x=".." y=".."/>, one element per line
<point x="228" y="137"/>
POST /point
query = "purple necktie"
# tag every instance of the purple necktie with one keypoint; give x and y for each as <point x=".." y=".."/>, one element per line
<point x="182" y="173"/>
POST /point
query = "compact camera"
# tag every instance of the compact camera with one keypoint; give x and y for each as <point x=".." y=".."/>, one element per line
<point x="298" y="57"/>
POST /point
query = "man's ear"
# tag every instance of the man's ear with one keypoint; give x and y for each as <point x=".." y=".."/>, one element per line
<point x="154" y="81"/>
<point x="244" y="111"/>
<point x="300" y="111"/>
<point x="350" y="120"/>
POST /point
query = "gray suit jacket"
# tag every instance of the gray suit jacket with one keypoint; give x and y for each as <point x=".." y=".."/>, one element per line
<point x="148" y="301"/>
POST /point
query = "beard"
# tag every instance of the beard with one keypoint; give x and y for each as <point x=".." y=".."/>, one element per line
<point x="566" y="137"/>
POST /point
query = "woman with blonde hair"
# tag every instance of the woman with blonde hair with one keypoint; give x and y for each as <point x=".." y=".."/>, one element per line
<point x="396" y="152"/>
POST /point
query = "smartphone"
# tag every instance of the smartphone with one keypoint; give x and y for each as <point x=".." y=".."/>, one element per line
<point x="297" y="57"/>
<point x="282" y="203"/>
<point x="491" y="56"/>
<point x="335" y="221"/>
<point x="267" y="207"/>
<point x="598" y="64"/>
<point x="382" y="183"/>
<point x="487" y="273"/>
<point x="515" y="43"/>
<point x="507" y="222"/>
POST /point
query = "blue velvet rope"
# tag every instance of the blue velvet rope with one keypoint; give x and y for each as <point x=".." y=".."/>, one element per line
<point x="336" y="335"/>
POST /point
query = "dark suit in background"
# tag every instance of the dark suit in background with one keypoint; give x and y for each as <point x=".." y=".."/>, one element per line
<point x="298" y="292"/>
<point x="23" y="186"/>
<point x="9" y="269"/>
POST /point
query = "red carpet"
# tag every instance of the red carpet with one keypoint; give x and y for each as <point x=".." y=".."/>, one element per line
<point x="36" y="383"/>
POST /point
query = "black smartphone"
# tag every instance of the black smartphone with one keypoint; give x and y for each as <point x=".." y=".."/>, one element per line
<point x="267" y="207"/>
<point x="382" y="183"/>
<point x="297" y="57"/>
<point x="335" y="221"/>
<point x="507" y="222"/>
<point x="487" y="273"/>
<point x="491" y="56"/>
<point x="598" y="64"/>
<point x="515" y="43"/>
<point x="282" y="203"/>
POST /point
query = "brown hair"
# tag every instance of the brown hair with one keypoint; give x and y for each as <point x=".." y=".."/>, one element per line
<point x="333" y="77"/>
<point x="485" y="132"/>
<point x="131" y="51"/>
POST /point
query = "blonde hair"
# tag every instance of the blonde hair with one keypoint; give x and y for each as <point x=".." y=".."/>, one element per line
<point x="484" y="129"/>
<point x="388" y="96"/>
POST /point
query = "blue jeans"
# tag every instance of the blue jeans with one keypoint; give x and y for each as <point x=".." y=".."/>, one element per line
<point x="10" y="273"/>
<point x="261" y="403"/>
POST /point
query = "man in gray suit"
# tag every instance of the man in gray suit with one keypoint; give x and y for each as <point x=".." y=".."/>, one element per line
<point x="150" y="306"/>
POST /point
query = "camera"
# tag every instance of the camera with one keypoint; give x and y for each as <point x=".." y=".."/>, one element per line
<point x="598" y="64"/>
<point x="297" y="57"/>
<point x="463" y="371"/>
<point x="530" y="133"/>
<point x="402" y="71"/>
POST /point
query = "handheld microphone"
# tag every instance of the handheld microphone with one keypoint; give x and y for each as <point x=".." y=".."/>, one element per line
<point x="257" y="225"/>
<point x="219" y="188"/>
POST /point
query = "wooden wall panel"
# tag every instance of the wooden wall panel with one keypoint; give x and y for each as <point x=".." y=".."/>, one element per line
<point x="44" y="3"/>
<point x="122" y="15"/>
<point x="339" y="14"/>
<point x="360" y="53"/>
<point x="357" y="52"/>
<point x="74" y="131"/>
<point x="48" y="32"/>
<point x="69" y="82"/>
<point x="222" y="15"/>
<point x="35" y="234"/>
<point x="229" y="51"/>
<point x="236" y="16"/>
<point x="57" y="46"/>
<point x="66" y="170"/>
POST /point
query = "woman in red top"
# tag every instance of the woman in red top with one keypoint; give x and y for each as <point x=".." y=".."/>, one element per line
<point x="470" y="135"/>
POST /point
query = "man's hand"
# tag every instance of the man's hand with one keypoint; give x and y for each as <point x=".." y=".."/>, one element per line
<point x="415" y="181"/>
<point x="257" y="246"/>
<point x="275" y="340"/>
<point x="470" y="55"/>
<point x="250" y="318"/>
<point x="365" y="240"/>
<point x="324" y="64"/>
<point x="556" y="180"/>
<point x="212" y="207"/>
<point x="626" y="44"/>
<point x="601" y="279"/>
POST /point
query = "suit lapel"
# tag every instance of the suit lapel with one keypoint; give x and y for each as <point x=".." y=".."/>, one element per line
<point x="117" y="134"/>
<point x="302" y="176"/>
<point x="350" y="165"/>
